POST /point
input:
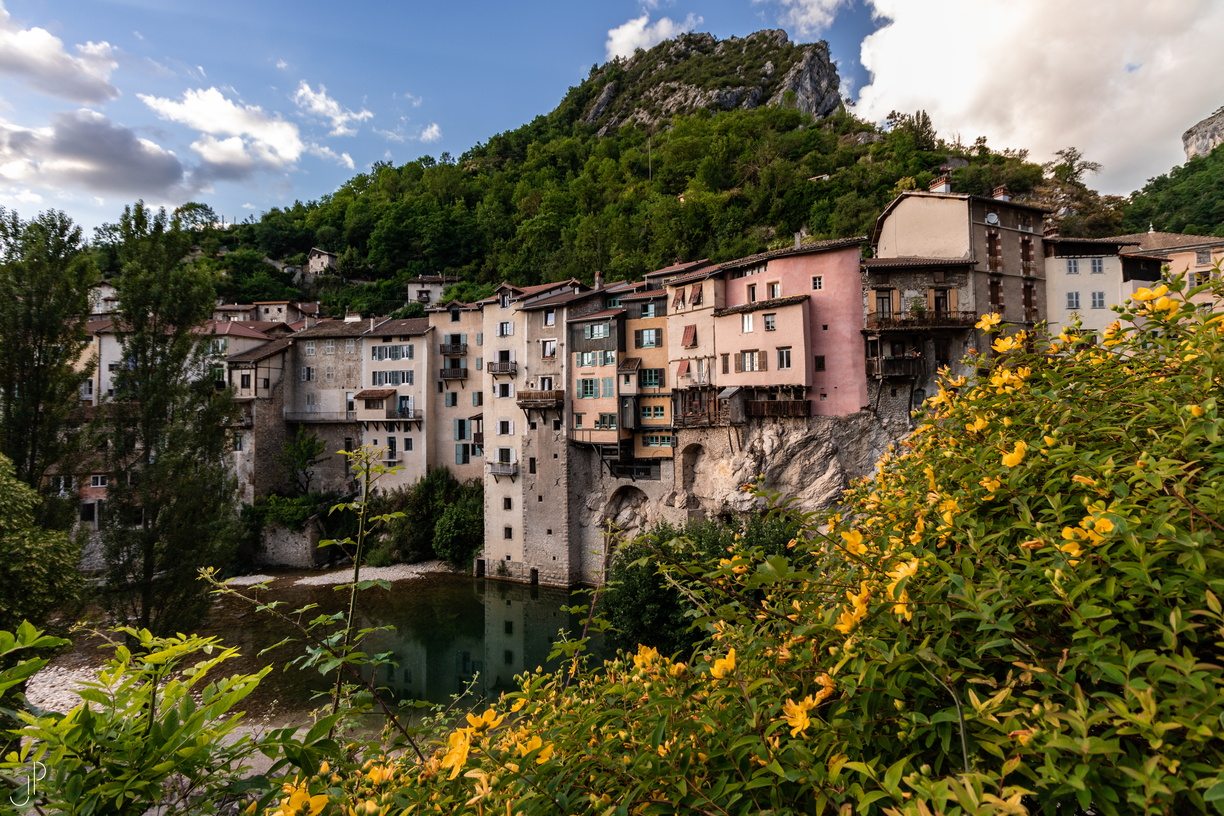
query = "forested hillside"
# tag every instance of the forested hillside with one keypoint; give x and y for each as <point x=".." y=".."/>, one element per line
<point x="569" y="193"/>
<point x="1189" y="199"/>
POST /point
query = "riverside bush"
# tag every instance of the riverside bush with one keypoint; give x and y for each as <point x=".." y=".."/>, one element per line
<point x="1019" y="613"/>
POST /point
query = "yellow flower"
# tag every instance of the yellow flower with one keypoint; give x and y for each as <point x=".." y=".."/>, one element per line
<point x="486" y="721"/>
<point x="646" y="657"/>
<point x="300" y="801"/>
<point x="988" y="321"/>
<point x="1196" y="410"/>
<point x="977" y="424"/>
<point x="1005" y="344"/>
<point x="854" y="542"/>
<point x="990" y="483"/>
<point x="1143" y="294"/>
<point x="379" y="774"/>
<point x="723" y="665"/>
<point x="457" y="746"/>
<point x="849" y="618"/>
<point x="796" y="714"/>
<point x="1016" y="456"/>
<point x="1084" y="480"/>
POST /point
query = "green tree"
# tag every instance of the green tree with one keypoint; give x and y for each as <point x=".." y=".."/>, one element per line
<point x="301" y="453"/>
<point x="44" y="300"/>
<point x="170" y="508"/>
<point x="459" y="532"/>
<point x="39" y="570"/>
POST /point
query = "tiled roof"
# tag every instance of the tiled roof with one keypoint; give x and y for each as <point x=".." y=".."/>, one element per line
<point x="230" y="328"/>
<point x="559" y="299"/>
<point x="905" y="262"/>
<point x="678" y="267"/>
<point x="374" y="393"/>
<point x="803" y="249"/>
<point x="776" y="303"/>
<point x="1166" y="241"/>
<point x="337" y="328"/>
<point x="406" y="326"/>
<point x="260" y="352"/>
<point x="597" y="315"/>
<point x="647" y="295"/>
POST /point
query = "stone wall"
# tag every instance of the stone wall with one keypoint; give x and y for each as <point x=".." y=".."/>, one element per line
<point x="282" y="547"/>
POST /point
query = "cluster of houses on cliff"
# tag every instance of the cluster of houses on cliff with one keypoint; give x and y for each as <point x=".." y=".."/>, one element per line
<point x="582" y="407"/>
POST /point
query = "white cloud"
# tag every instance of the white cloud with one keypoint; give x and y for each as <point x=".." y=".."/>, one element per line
<point x="806" y="17"/>
<point x="641" y="33"/>
<point x="84" y="149"/>
<point x="246" y="205"/>
<point x="38" y="57"/>
<point x="320" y="104"/>
<point x="412" y="99"/>
<point x="325" y="152"/>
<point x="430" y="133"/>
<point x="281" y="64"/>
<point x="266" y="139"/>
<point x="1048" y="74"/>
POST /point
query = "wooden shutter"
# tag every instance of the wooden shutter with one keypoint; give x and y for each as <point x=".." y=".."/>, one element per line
<point x="762" y="360"/>
<point x="683" y="368"/>
<point x="690" y="336"/>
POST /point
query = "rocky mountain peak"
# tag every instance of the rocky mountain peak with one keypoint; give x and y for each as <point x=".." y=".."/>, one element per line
<point x="700" y="72"/>
<point x="1204" y="136"/>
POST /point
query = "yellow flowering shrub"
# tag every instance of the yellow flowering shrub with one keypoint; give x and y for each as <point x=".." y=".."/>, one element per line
<point x="1022" y="619"/>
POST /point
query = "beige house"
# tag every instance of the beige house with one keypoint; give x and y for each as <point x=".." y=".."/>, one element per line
<point x="1200" y="257"/>
<point x="391" y="405"/>
<point x="1086" y="278"/>
<point x="456" y="399"/>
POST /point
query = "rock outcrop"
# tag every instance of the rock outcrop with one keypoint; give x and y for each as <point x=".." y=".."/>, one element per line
<point x="700" y="72"/>
<point x="1203" y="137"/>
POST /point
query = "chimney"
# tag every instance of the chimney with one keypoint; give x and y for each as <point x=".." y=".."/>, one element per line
<point x="598" y="279"/>
<point x="371" y="324"/>
<point x="352" y="317"/>
<point x="942" y="184"/>
<point x="798" y="239"/>
<point x="1001" y="193"/>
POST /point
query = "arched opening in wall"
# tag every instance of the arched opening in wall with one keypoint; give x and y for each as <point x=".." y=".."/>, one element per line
<point x="623" y="517"/>
<point x="695" y="473"/>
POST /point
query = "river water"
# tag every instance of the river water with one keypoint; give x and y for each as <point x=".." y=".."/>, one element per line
<point x="451" y="632"/>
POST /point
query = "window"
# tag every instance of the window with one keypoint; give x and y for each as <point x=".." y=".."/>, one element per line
<point x="1202" y="257"/>
<point x="1073" y="300"/>
<point x="771" y="322"/>
<point x="407" y="443"/>
<point x="454" y="315"/>
<point x="396" y="352"/>
<point x="505" y="390"/>
<point x="774" y="289"/>
<point x="99" y="480"/>
<point x="652" y="412"/>
<point x="609" y="358"/>
<point x="402" y="377"/>
<point x="245" y="378"/>
<point x="588" y="388"/>
<point x="308" y="374"/>
<point x="309" y="348"/>
<point x="531" y="464"/>
<point x="595" y="331"/>
<point x="374" y="404"/>
<point x="650" y="309"/>
<point x="452" y="399"/>
<point x="550" y="317"/>
<point x="507" y="532"/>
<point x="784" y="357"/>
<point x="883" y="303"/>
<point x="1098" y="266"/>
<point x="657" y="440"/>
<point x="463" y="453"/>
<point x="690" y="336"/>
<point x="329" y="347"/>
<point x="477" y="399"/>
<point x="505" y="427"/>
<point x="312" y="399"/>
<point x="585" y="359"/>
<point x="746" y="323"/>
<point x="505" y="329"/>
<point x="504" y="300"/>
<point x="1098" y="300"/>
<point x="818" y="362"/>
<point x="726" y="366"/>
<point x="350" y="346"/>
<point x="507" y="503"/>
<point x="548" y="349"/>
<point x="606" y="421"/>
<point x="650" y="378"/>
<point x="608" y="385"/>
<point x="817" y="283"/>
<point x="1073" y="266"/>
<point x="752" y="293"/>
<point x="578" y="420"/>
<point x="648" y="338"/>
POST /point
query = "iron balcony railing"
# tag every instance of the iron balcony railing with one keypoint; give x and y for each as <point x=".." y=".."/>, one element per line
<point x="453" y="349"/>
<point x="895" y="366"/>
<point x="454" y="373"/>
<point x="501" y="367"/>
<point x="922" y="320"/>
<point x="503" y="468"/>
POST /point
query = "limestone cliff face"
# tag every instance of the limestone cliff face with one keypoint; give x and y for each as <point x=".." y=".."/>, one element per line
<point x="812" y="460"/>
<point x="699" y="72"/>
<point x="1203" y="137"/>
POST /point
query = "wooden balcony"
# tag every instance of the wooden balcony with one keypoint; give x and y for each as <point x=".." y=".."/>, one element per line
<point x="779" y="408"/>
<point x="478" y="438"/>
<point x="500" y="367"/>
<point x="407" y="413"/>
<point x="320" y="416"/>
<point x="510" y="469"/>
<point x="541" y="399"/>
<point x="922" y="321"/>
<point x="453" y="349"/>
<point x="895" y="367"/>
<point x="454" y="373"/>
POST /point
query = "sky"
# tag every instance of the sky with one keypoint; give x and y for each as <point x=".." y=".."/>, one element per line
<point x="247" y="106"/>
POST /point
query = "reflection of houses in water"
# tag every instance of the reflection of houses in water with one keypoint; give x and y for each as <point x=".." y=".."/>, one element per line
<point x="494" y="631"/>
